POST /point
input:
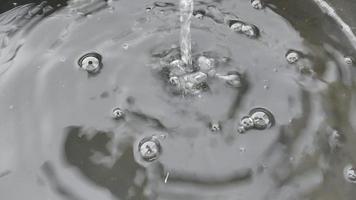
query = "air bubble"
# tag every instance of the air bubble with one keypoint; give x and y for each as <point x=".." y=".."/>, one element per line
<point x="250" y="31"/>
<point x="350" y="174"/>
<point x="232" y="79"/>
<point x="236" y="25"/>
<point x="205" y="64"/>
<point x="349" y="60"/>
<point x="117" y="113"/>
<point x="292" y="56"/>
<point x="174" y="81"/>
<point x="215" y="126"/>
<point x="262" y="118"/>
<point x="257" y="4"/>
<point x="199" y="14"/>
<point x="125" y="46"/>
<point x="259" y="118"/>
<point x="90" y="62"/>
<point x="149" y="149"/>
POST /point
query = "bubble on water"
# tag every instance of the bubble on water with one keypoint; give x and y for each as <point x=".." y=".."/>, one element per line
<point x="163" y="4"/>
<point x="292" y="56"/>
<point x="259" y="118"/>
<point x="245" y="124"/>
<point x="257" y="4"/>
<point x="262" y="118"/>
<point x="215" y="126"/>
<point x="199" y="14"/>
<point x="350" y="173"/>
<point x="125" y="46"/>
<point x="174" y="81"/>
<point x="118" y="113"/>
<point x="149" y="148"/>
<point x="232" y="79"/>
<point x="349" y="60"/>
<point x="236" y="25"/>
<point x="250" y="30"/>
<point x="205" y="64"/>
<point x="90" y="62"/>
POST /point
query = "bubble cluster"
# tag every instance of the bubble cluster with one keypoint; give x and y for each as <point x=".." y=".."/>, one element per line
<point x="258" y="118"/>
<point x="215" y="126"/>
<point x="149" y="148"/>
<point x="248" y="30"/>
<point x="91" y="62"/>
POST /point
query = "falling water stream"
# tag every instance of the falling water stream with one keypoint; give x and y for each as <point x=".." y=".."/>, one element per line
<point x="186" y="13"/>
<point x="95" y="104"/>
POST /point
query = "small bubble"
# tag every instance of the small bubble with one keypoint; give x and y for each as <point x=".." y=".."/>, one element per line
<point x="232" y="79"/>
<point x="349" y="60"/>
<point x="257" y="4"/>
<point x="90" y="62"/>
<point x="174" y="81"/>
<point x="259" y="118"/>
<point x="205" y="64"/>
<point x="117" y="113"/>
<point x="215" y="126"/>
<point x="350" y="173"/>
<point x="250" y="31"/>
<point x="236" y="25"/>
<point x="292" y="56"/>
<point x="262" y="118"/>
<point x="199" y="14"/>
<point x="149" y="149"/>
<point x="125" y="46"/>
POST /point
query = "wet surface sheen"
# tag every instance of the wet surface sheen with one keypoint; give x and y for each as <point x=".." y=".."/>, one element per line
<point x="60" y="140"/>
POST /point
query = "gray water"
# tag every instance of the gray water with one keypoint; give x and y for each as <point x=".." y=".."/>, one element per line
<point x="59" y="141"/>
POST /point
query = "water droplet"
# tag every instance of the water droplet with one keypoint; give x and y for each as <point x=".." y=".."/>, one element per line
<point x="292" y="56"/>
<point x="257" y="4"/>
<point x="149" y="149"/>
<point x="215" y="126"/>
<point x="90" y="62"/>
<point x="349" y="60"/>
<point x="117" y="113"/>
<point x="350" y="173"/>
